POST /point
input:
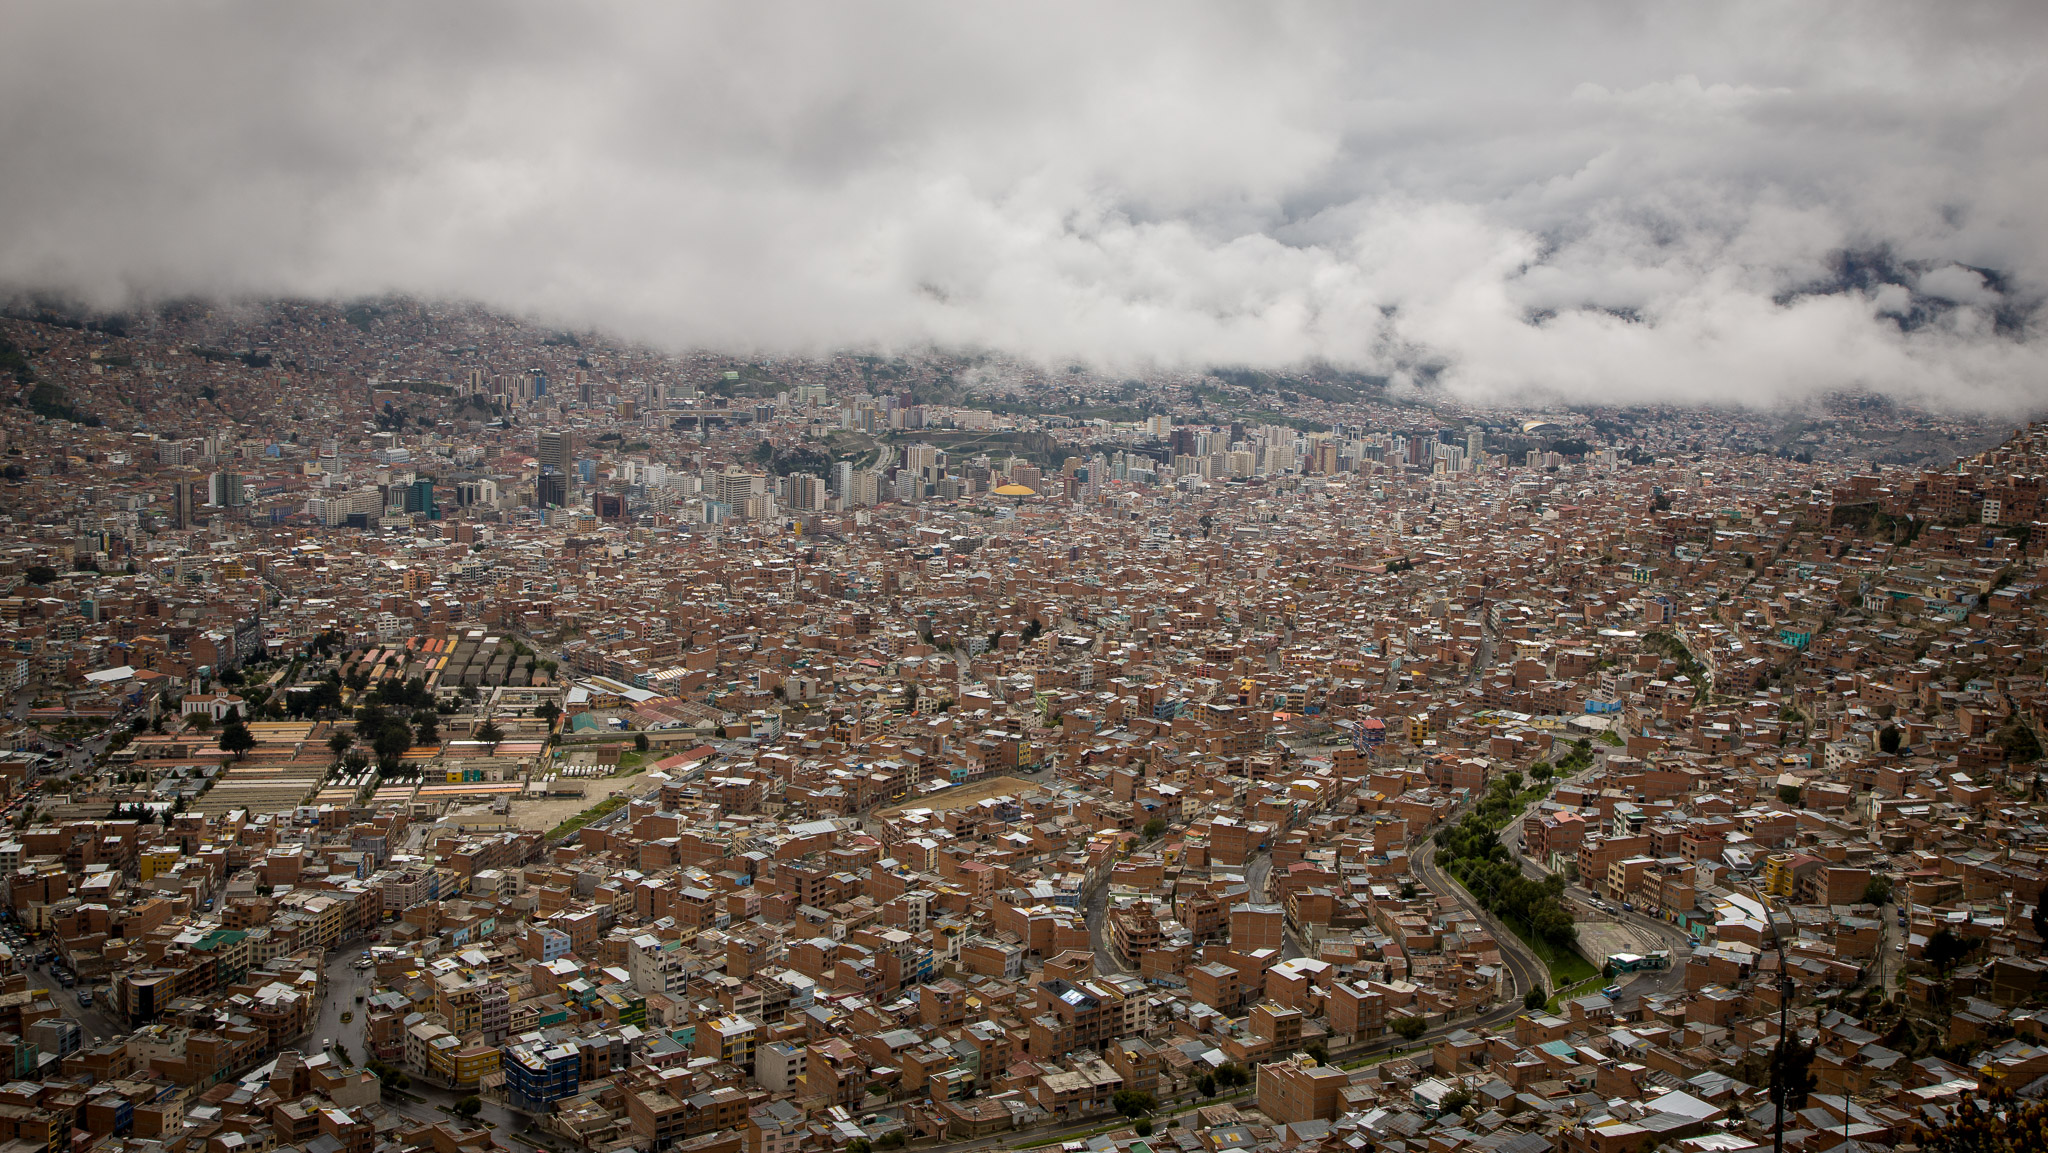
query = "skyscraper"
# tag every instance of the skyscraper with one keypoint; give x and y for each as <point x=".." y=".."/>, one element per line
<point x="181" y="503"/>
<point x="224" y="490"/>
<point x="556" y="451"/>
<point x="420" y="498"/>
<point x="550" y="490"/>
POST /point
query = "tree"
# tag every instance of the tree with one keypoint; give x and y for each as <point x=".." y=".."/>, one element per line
<point x="1789" y="1091"/>
<point x="236" y="738"/>
<point x="1409" y="1028"/>
<point x="1888" y="740"/>
<point x="1206" y="1084"/>
<point x="548" y="711"/>
<point x="1878" y="891"/>
<point x="1143" y="1127"/>
<point x="639" y="742"/>
<point x="1533" y="999"/>
<point x="1132" y="1102"/>
<point x="489" y="733"/>
<point x="1996" y="1121"/>
<point x="1319" y="1051"/>
<point x="1514" y="782"/>
<point x="1541" y="770"/>
<point x="391" y="744"/>
<point x="1154" y="827"/>
<point x="201" y="721"/>
<point x="1455" y="1100"/>
<point x="1231" y="1074"/>
<point x="1945" y="950"/>
<point x="469" y="1106"/>
<point x="2017" y="738"/>
<point x="40" y="574"/>
<point x="1789" y="794"/>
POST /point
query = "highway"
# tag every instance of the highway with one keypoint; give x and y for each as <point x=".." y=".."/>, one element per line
<point x="1528" y="972"/>
<point x="1668" y="936"/>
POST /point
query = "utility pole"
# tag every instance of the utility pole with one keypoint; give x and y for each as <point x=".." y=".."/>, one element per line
<point x="1780" y="925"/>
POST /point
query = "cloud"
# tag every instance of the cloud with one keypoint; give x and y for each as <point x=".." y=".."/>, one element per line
<point x="1599" y="201"/>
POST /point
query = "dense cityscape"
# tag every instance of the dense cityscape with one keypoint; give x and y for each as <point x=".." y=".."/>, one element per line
<point x="432" y="730"/>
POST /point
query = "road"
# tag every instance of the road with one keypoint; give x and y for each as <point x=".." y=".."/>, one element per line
<point x="97" y="1022"/>
<point x="344" y="982"/>
<point x="1095" y="906"/>
<point x="1669" y="936"/>
<point x="1524" y="967"/>
<point x="1257" y="873"/>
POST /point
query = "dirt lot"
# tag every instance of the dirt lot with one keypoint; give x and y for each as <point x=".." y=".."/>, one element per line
<point x="960" y="795"/>
<point x="545" y="815"/>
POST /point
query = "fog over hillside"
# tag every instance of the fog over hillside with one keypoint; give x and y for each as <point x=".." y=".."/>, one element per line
<point x="1591" y="202"/>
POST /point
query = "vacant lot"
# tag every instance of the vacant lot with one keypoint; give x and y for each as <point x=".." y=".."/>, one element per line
<point x="967" y="794"/>
<point x="548" y="813"/>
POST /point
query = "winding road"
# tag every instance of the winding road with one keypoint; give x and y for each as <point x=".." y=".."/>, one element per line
<point x="1672" y="938"/>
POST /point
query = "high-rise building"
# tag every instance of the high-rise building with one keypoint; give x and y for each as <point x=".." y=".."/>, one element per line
<point x="925" y="461"/>
<point x="550" y="490"/>
<point x="863" y="488"/>
<point x="802" y="492"/>
<point x="181" y="503"/>
<point x="419" y="497"/>
<point x="557" y="451"/>
<point x="225" y="490"/>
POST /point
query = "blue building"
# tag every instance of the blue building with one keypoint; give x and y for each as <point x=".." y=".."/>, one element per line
<point x="539" y="1073"/>
<point x="419" y="497"/>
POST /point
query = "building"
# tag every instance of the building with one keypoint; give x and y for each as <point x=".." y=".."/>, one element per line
<point x="539" y="1073"/>
<point x="556" y="451"/>
<point x="550" y="490"/>
<point x="1291" y="1091"/>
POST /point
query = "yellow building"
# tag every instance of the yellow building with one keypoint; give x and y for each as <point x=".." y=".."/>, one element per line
<point x="1781" y="872"/>
<point x="158" y="860"/>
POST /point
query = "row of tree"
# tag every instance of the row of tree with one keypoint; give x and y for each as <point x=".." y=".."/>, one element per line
<point x="1471" y="852"/>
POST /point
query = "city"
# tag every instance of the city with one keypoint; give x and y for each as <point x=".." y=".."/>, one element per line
<point x="431" y="730"/>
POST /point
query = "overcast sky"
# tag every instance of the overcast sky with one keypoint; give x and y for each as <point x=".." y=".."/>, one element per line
<point x="1616" y="202"/>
